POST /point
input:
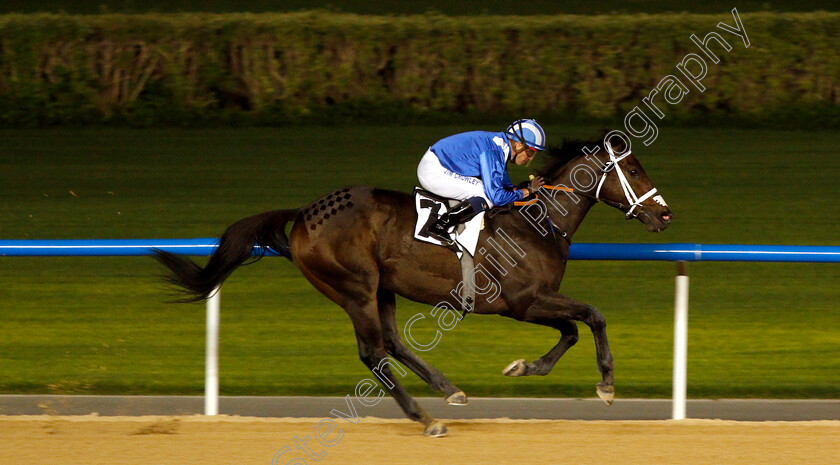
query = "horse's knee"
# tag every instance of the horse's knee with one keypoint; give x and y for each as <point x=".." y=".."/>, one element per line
<point x="392" y="344"/>
<point x="371" y="355"/>
<point x="572" y="338"/>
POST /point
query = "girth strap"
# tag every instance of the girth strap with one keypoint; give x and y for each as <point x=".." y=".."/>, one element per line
<point x="467" y="269"/>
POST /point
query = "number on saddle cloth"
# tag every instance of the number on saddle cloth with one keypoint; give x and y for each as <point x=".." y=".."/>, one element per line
<point x="434" y="209"/>
<point x="437" y="222"/>
<point x="429" y="209"/>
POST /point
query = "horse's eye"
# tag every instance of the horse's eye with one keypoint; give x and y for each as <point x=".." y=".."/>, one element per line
<point x="634" y="172"/>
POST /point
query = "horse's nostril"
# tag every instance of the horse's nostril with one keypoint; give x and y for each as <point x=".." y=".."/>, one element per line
<point x="667" y="217"/>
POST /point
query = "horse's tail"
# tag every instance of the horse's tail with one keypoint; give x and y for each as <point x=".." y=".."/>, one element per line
<point x="266" y="230"/>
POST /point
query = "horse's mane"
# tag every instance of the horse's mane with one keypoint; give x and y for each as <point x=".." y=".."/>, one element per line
<point x="556" y="158"/>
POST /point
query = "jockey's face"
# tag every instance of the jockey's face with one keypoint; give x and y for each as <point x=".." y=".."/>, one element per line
<point x="521" y="153"/>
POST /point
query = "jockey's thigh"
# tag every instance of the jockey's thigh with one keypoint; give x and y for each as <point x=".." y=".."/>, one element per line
<point x="439" y="180"/>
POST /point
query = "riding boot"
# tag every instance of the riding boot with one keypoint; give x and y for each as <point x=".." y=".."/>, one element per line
<point x="460" y="213"/>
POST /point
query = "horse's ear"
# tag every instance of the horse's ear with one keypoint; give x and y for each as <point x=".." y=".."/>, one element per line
<point x="616" y="142"/>
<point x="618" y="145"/>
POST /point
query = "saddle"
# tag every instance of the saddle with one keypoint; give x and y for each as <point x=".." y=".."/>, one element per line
<point x="430" y="207"/>
<point x="464" y="237"/>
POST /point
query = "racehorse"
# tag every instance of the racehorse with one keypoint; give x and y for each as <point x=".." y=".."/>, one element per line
<point x="356" y="246"/>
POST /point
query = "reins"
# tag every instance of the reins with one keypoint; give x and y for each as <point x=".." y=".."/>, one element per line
<point x="631" y="209"/>
<point x="525" y="203"/>
<point x="634" y="202"/>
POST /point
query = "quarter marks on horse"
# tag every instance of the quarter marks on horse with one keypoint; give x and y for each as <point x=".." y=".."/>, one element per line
<point x="316" y="213"/>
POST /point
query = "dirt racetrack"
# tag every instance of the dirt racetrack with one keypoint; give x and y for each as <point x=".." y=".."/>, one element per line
<point x="228" y="440"/>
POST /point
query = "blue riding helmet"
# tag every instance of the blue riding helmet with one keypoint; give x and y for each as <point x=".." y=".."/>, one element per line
<point x="528" y="132"/>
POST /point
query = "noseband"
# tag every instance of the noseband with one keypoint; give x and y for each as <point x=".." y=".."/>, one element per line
<point x="633" y="200"/>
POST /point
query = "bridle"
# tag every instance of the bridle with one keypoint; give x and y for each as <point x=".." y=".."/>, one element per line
<point x="634" y="202"/>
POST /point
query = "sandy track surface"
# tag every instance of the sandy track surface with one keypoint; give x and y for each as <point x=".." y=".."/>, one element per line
<point x="226" y="440"/>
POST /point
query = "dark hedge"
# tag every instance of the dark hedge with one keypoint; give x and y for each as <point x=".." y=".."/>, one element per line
<point x="157" y="69"/>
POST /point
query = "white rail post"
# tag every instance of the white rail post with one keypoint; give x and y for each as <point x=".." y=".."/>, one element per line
<point x="211" y="361"/>
<point x="680" y="342"/>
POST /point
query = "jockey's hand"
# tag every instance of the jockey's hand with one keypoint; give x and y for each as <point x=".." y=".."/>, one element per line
<point x="535" y="184"/>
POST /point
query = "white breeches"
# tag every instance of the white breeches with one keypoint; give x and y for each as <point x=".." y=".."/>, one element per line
<point x="439" y="180"/>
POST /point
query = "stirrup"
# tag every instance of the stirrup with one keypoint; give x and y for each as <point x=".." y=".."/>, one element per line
<point x="445" y="240"/>
<point x="460" y="213"/>
<point x="456" y="215"/>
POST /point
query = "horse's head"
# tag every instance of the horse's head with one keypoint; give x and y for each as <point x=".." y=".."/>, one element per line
<point x="607" y="171"/>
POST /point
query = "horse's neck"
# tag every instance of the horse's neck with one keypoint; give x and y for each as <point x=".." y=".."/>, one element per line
<point x="566" y="209"/>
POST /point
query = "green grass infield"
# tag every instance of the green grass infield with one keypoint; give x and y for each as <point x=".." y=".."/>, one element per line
<point x="103" y="325"/>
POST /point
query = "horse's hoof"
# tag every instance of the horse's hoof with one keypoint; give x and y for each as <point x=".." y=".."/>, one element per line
<point x="459" y="398"/>
<point x="516" y="368"/>
<point x="606" y="393"/>
<point x="436" y="430"/>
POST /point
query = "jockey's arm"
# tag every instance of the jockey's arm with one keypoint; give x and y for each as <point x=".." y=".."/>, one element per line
<point x="507" y="183"/>
<point x="495" y="178"/>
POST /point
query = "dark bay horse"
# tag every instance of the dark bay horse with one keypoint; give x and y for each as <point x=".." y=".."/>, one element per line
<point x="356" y="246"/>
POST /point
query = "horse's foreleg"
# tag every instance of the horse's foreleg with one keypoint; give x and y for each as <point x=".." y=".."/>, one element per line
<point x="550" y="306"/>
<point x="373" y="355"/>
<point x="545" y="364"/>
<point x="395" y="346"/>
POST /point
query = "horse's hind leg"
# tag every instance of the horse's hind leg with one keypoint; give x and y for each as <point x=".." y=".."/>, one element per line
<point x="356" y="293"/>
<point x="395" y="346"/>
<point x="373" y="354"/>
<point x="550" y="306"/>
<point x="543" y="365"/>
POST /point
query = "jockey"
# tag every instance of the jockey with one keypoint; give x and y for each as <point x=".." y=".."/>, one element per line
<point x="472" y="167"/>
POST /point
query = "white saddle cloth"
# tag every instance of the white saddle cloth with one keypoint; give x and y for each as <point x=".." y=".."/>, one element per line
<point x="426" y="206"/>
